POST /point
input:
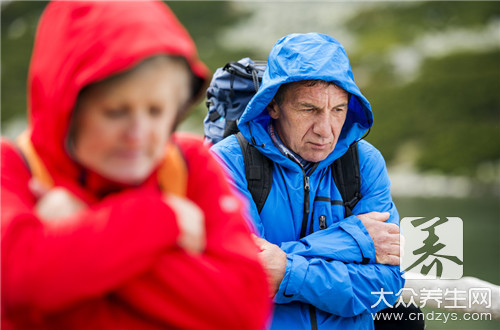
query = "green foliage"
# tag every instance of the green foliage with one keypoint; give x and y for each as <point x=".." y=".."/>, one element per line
<point x="379" y="28"/>
<point x="18" y="20"/>
<point x="451" y="110"/>
<point x="205" y="20"/>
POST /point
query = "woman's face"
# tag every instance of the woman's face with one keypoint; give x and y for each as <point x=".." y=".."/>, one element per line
<point x="122" y="125"/>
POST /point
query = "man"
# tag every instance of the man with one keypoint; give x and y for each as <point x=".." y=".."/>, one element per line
<point x="326" y="270"/>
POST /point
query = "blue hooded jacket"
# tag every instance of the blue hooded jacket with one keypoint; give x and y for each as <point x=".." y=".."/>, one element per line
<point x="325" y="285"/>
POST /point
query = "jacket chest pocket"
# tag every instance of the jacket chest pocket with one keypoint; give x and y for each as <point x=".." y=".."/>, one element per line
<point x="325" y="213"/>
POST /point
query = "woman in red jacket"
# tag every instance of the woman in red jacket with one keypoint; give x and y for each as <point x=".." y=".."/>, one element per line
<point x="108" y="220"/>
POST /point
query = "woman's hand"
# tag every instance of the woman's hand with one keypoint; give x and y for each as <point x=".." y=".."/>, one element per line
<point x="54" y="203"/>
<point x="191" y="222"/>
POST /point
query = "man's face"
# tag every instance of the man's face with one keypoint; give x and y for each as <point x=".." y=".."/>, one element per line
<point x="310" y="119"/>
<point x="122" y="126"/>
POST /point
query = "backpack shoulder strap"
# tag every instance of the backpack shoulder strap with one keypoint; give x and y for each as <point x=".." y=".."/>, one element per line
<point x="347" y="177"/>
<point x="258" y="171"/>
<point x="173" y="172"/>
<point x="35" y="164"/>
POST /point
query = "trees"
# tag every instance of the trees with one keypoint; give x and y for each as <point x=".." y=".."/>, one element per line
<point x="430" y="69"/>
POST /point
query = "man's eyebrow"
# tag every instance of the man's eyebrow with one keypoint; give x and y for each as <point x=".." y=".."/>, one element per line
<point x="308" y="105"/>
<point x="342" y="105"/>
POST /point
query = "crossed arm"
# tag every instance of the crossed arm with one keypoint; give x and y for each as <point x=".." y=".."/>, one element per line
<point x="134" y="245"/>
<point x="385" y="237"/>
<point x="323" y="268"/>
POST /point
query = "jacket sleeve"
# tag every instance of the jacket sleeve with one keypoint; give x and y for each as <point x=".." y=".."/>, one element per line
<point x="47" y="267"/>
<point x="348" y="289"/>
<point x="226" y="286"/>
<point x="346" y="241"/>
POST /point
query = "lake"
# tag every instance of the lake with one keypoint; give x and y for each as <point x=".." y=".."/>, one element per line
<point x="481" y="227"/>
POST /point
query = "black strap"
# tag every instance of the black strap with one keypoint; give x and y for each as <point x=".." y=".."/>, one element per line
<point x="213" y="116"/>
<point x="231" y="128"/>
<point x="346" y="174"/>
<point x="258" y="171"/>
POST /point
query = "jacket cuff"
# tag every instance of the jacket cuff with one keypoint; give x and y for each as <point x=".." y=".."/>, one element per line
<point x="295" y="274"/>
<point x="354" y="227"/>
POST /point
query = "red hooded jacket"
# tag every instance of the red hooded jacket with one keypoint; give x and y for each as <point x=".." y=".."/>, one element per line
<point x="116" y="264"/>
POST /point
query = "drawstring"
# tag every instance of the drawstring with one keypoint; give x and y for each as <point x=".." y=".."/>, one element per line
<point x="366" y="134"/>
<point x="253" y="139"/>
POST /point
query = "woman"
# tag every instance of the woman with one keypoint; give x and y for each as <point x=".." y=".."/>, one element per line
<point x="108" y="220"/>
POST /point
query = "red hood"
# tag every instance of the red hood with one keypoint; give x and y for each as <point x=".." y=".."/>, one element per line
<point x="78" y="43"/>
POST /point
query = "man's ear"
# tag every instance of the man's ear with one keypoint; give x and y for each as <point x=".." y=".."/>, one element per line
<point x="273" y="109"/>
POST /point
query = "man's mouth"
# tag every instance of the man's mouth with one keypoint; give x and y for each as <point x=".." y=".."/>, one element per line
<point x="319" y="145"/>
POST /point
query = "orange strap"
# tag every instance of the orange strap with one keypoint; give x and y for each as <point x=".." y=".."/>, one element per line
<point x="172" y="175"/>
<point x="38" y="169"/>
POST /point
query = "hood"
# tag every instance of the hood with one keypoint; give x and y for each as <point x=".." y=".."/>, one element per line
<point x="303" y="57"/>
<point x="81" y="42"/>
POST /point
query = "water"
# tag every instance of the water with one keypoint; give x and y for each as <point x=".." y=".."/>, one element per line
<point x="481" y="223"/>
<point x="481" y="226"/>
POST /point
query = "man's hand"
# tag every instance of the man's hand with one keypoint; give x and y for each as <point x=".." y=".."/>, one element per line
<point x="191" y="222"/>
<point x="274" y="261"/>
<point x="385" y="237"/>
<point x="54" y="203"/>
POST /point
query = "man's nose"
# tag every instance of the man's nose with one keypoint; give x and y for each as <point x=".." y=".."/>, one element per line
<point x="322" y="125"/>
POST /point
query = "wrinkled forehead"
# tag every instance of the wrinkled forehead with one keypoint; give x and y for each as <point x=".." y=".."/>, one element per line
<point x="309" y="90"/>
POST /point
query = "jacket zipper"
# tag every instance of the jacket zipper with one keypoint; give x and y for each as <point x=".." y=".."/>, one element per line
<point x="305" y="215"/>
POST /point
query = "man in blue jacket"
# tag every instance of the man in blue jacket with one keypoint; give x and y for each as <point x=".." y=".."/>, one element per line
<point x="326" y="270"/>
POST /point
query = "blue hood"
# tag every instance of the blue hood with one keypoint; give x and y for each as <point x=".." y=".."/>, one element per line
<point x="304" y="57"/>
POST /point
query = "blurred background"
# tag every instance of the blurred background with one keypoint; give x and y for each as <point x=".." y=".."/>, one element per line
<point x="431" y="70"/>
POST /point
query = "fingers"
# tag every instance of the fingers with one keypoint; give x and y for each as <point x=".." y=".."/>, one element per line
<point x="392" y="228"/>
<point x="390" y="260"/>
<point x="260" y="242"/>
<point x="56" y="203"/>
<point x="191" y="223"/>
<point x="388" y="250"/>
<point x="389" y="244"/>
<point x="37" y="188"/>
<point x="401" y="245"/>
<point x="378" y="216"/>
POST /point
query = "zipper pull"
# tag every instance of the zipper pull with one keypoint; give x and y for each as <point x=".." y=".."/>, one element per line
<point x="322" y="222"/>
<point x="306" y="183"/>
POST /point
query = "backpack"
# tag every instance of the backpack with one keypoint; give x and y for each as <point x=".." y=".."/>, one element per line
<point x="230" y="90"/>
